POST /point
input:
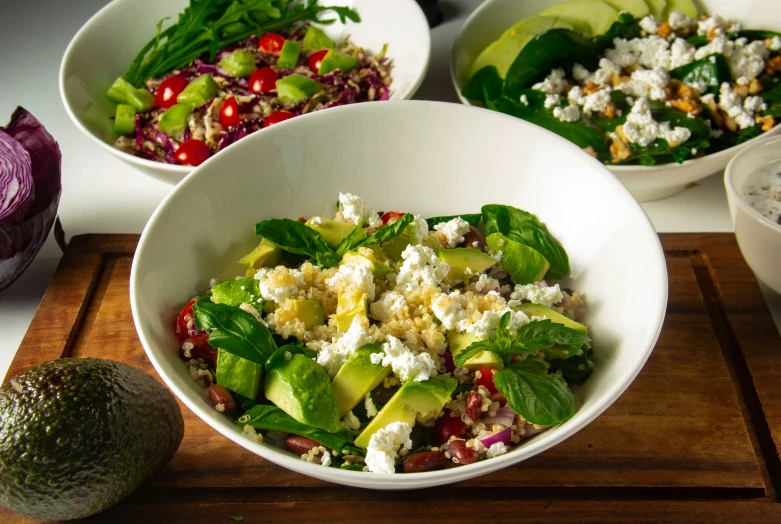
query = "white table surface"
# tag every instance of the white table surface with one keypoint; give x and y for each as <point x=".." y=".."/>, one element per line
<point x="103" y="195"/>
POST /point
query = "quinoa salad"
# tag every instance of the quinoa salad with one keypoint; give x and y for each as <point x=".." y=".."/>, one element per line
<point x="384" y="342"/>
<point x="647" y="90"/>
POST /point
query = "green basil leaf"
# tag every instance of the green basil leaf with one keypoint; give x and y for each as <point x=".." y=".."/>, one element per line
<point x="575" y="369"/>
<point x="539" y="398"/>
<point x="484" y="86"/>
<point x="389" y="232"/>
<point x="473" y="349"/>
<point x="472" y="219"/>
<point x="347" y="242"/>
<point x="713" y="70"/>
<point x="543" y="334"/>
<point x="293" y="236"/>
<point x="237" y="292"/>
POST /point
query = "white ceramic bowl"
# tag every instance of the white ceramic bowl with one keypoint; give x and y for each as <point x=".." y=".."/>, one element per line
<point x="104" y="47"/>
<point x="759" y="238"/>
<point x="423" y="157"/>
<point x="646" y="183"/>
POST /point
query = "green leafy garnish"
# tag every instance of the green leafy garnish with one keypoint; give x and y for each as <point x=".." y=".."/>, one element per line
<point x="712" y="71"/>
<point x="387" y="233"/>
<point x="473" y="219"/>
<point x="540" y="398"/>
<point x="237" y="292"/>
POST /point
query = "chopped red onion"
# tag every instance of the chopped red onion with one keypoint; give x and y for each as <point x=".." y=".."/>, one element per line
<point x="504" y="436"/>
<point x="504" y="416"/>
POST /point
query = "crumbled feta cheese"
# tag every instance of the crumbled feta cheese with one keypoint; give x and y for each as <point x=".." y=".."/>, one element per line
<point x="317" y="221"/>
<point x="720" y="44"/>
<point x="580" y="73"/>
<point x="596" y="102"/>
<point x="678" y="20"/>
<point x="575" y="95"/>
<point x="740" y="42"/>
<point x="604" y="74"/>
<point x="213" y="282"/>
<point x="571" y="113"/>
<point x="486" y="326"/>
<point x="555" y="82"/>
<point x="368" y="404"/>
<point x="525" y="100"/>
<point x="353" y="277"/>
<point x="731" y="103"/>
<point x="249" y="308"/>
<point x="742" y="81"/>
<point x="418" y="229"/>
<point x="280" y="283"/>
<point x="448" y="310"/>
<point x="748" y="61"/>
<point x="496" y="449"/>
<point x="421" y="266"/>
<point x="647" y="83"/>
<point x="355" y="211"/>
<point x="640" y="127"/>
<point x="775" y="43"/>
<point x="333" y="355"/>
<point x="406" y="365"/>
<point x="547" y="296"/>
<point x="325" y="459"/>
<point x="651" y="52"/>
<point x="648" y="24"/>
<point x="752" y="104"/>
<point x="712" y="25"/>
<point x="552" y="101"/>
<point x="350" y="421"/>
<point x="681" y="53"/>
<point x="485" y="282"/>
<point x="455" y="229"/>
<point x="383" y="447"/>
<point x="390" y="304"/>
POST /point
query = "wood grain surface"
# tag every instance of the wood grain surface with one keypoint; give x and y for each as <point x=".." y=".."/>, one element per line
<point x="694" y="438"/>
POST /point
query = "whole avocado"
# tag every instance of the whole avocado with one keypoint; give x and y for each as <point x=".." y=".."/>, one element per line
<point x="79" y="435"/>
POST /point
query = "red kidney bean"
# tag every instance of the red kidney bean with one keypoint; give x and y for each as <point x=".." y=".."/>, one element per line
<point x="474" y="239"/>
<point x="461" y="453"/>
<point x="498" y="397"/>
<point x="198" y="346"/>
<point x="300" y="445"/>
<point x="425" y="461"/>
<point x="474" y="403"/>
<point x="221" y="396"/>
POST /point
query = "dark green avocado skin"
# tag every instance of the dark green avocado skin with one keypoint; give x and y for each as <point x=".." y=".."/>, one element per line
<point x="79" y="435"/>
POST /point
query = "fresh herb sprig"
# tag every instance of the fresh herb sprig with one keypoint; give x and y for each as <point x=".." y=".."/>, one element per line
<point x="208" y="26"/>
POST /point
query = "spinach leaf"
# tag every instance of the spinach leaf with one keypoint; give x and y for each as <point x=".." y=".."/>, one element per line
<point x="525" y="228"/>
<point x="539" y="398"/>
<point x="485" y="85"/>
<point x="626" y="27"/>
<point x="389" y="232"/>
<point x="234" y="330"/>
<point x="697" y="40"/>
<point x="575" y="369"/>
<point x="712" y="71"/>
<point x="473" y="219"/>
<point x="272" y="418"/>
<point x="237" y="292"/>
<point x="758" y="34"/>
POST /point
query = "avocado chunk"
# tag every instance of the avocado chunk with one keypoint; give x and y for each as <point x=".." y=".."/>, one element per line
<point x="370" y="258"/>
<point x="238" y="374"/>
<point x="240" y="63"/>
<point x="349" y="304"/>
<point x="524" y="264"/>
<point x="465" y="262"/>
<point x="300" y="387"/>
<point x="315" y="39"/>
<point x="265" y="255"/>
<point x="460" y="341"/>
<point x="658" y="9"/>
<point x="413" y="401"/>
<point x="288" y="56"/>
<point x="310" y="312"/>
<point x="79" y="435"/>
<point x="295" y="88"/>
<point x="237" y="292"/>
<point x="394" y="248"/>
<point x="199" y="91"/>
<point x="357" y="377"/>
<point x="333" y="232"/>
<point x="334" y="60"/>
<point x="686" y="7"/>
<point x="174" y="121"/>
<point x="596" y="15"/>
<point x="538" y="310"/>
<point x="636" y="8"/>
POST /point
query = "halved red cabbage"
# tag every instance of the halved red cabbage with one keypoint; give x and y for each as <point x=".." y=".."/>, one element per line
<point x="24" y="227"/>
<point x="16" y="176"/>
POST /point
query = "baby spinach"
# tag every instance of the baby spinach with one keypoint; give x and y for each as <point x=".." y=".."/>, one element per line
<point x="713" y="70"/>
<point x="626" y="27"/>
<point x="758" y="34"/>
<point x="540" y="398"/>
<point x="484" y="86"/>
<point x="473" y="219"/>
<point x="525" y="228"/>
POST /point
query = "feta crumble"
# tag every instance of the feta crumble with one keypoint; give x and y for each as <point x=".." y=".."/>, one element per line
<point x="406" y="364"/>
<point x="649" y="25"/>
<point x="421" y="266"/>
<point x="333" y="355"/>
<point x="448" y="310"/>
<point x="552" y="101"/>
<point x="748" y="61"/>
<point x="547" y="296"/>
<point x="641" y="128"/>
<point x="496" y="449"/>
<point x="775" y="43"/>
<point x="280" y="283"/>
<point x="554" y="83"/>
<point x="647" y="83"/>
<point x="325" y="459"/>
<point x="524" y="100"/>
<point x="368" y="404"/>
<point x="454" y="230"/>
<point x="355" y="211"/>
<point x="710" y="26"/>
<point x="731" y="103"/>
<point x="353" y="277"/>
<point x="571" y="113"/>
<point x="390" y="304"/>
<point x="678" y="20"/>
<point x="383" y="447"/>
<point x="486" y="326"/>
<point x="350" y="421"/>
<point x="317" y="221"/>
<point x="419" y="229"/>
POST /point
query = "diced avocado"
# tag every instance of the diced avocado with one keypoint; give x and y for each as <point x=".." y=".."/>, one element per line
<point x="595" y="14"/>
<point x="310" y="312"/>
<point x="465" y="262"/>
<point x="315" y="39"/>
<point x="636" y="8"/>
<point x="460" y="341"/>
<point x="524" y="264"/>
<point x="240" y="63"/>
<point x="395" y="247"/>
<point x="349" y="304"/>
<point x="370" y="258"/>
<point x="357" y="377"/>
<point x="301" y="388"/>
<point x="658" y="9"/>
<point x="238" y="374"/>
<point x="686" y="7"/>
<point x="288" y="57"/>
<point x="333" y="232"/>
<point x="124" y="119"/>
<point x="334" y="60"/>
<point x="237" y="292"/>
<point x="295" y="88"/>
<point x="538" y="310"/>
<point x="265" y="255"/>
<point x="199" y="91"/>
<point x="174" y="121"/>
<point x="123" y="92"/>
<point x="413" y="401"/>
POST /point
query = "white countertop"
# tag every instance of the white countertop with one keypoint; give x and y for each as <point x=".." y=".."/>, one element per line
<point x="103" y="195"/>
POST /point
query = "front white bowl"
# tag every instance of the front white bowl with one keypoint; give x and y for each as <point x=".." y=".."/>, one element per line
<point x="646" y="183"/>
<point x="104" y="47"/>
<point x="758" y="237"/>
<point x="422" y="157"/>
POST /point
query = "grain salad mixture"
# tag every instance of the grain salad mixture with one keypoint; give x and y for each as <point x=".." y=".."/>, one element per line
<point x="386" y="342"/>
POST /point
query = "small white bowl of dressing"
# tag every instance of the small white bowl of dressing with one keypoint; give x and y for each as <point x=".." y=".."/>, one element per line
<point x="753" y="183"/>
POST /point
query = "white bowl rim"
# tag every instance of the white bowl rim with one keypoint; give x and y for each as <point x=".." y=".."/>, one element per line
<point x="423" y="479"/>
<point x="175" y="168"/>
<point x="729" y="182"/>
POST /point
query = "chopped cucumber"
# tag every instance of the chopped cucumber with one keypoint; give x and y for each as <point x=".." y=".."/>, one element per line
<point x="239" y="63"/>
<point x="315" y="39"/>
<point x="199" y="91"/>
<point x="288" y="57"/>
<point x="174" y="120"/>
<point x="124" y="119"/>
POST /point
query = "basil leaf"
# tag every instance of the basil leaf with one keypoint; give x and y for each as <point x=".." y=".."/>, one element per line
<point x="531" y="365"/>
<point x="237" y="292"/>
<point x="234" y="330"/>
<point x="347" y="242"/>
<point x="543" y="334"/>
<point x="472" y="219"/>
<point x="539" y="398"/>
<point x="272" y="418"/>
<point x="471" y="350"/>
<point x="484" y="86"/>
<point x="527" y="229"/>
<point x="712" y="71"/>
<point x="388" y="232"/>
<point x="293" y="236"/>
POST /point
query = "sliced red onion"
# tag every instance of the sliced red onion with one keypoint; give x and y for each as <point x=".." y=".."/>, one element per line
<point x="16" y="176"/>
<point x="504" y="436"/>
<point x="504" y="416"/>
<point x="450" y="365"/>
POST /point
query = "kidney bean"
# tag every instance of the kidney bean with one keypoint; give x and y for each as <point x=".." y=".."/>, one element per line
<point x="498" y="397"/>
<point x="221" y="396"/>
<point x="425" y="461"/>
<point x="474" y="239"/>
<point x="198" y="346"/>
<point x="461" y="453"/>
<point x="300" y="445"/>
<point x="474" y="403"/>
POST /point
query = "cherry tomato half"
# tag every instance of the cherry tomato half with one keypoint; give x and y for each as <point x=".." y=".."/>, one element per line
<point x="316" y="59"/>
<point x="168" y="90"/>
<point x="486" y="379"/>
<point x="271" y="43"/>
<point x="185" y="317"/>
<point x="229" y="113"/>
<point x="192" y="153"/>
<point x="391" y="216"/>
<point x="276" y="117"/>
<point x="447" y="426"/>
<point x="263" y="80"/>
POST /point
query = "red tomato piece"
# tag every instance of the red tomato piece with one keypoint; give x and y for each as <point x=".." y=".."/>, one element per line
<point x="185" y="318"/>
<point x="168" y="90"/>
<point x="229" y="113"/>
<point x="192" y="153"/>
<point x="391" y="216"/>
<point x="276" y="117"/>
<point x="447" y="426"/>
<point x="316" y="59"/>
<point x="486" y="379"/>
<point x="263" y="80"/>
<point x="271" y="43"/>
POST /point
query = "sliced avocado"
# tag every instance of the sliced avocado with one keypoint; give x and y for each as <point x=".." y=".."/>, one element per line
<point x="334" y="60"/>
<point x="357" y="377"/>
<point x="301" y="388"/>
<point x="465" y="262"/>
<point x="349" y="304"/>
<point x="237" y="292"/>
<point x="265" y="255"/>
<point x="315" y="39"/>
<point x="310" y="312"/>
<point x="414" y="400"/>
<point x="460" y="341"/>
<point x="538" y="310"/>
<point x="658" y="9"/>
<point x="238" y="374"/>
<point x="595" y="14"/>
<point x="636" y="8"/>
<point x="396" y="246"/>
<point x="501" y="53"/>
<point x="370" y="258"/>
<point x="288" y="56"/>
<point x="524" y="264"/>
<point x="686" y="7"/>
<point x="199" y="91"/>
<point x="239" y="63"/>
<point x="295" y="88"/>
<point x="174" y="121"/>
<point x="537" y="24"/>
<point x="333" y="232"/>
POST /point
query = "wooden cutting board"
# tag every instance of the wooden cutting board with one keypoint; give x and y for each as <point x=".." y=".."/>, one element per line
<point x="694" y="438"/>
